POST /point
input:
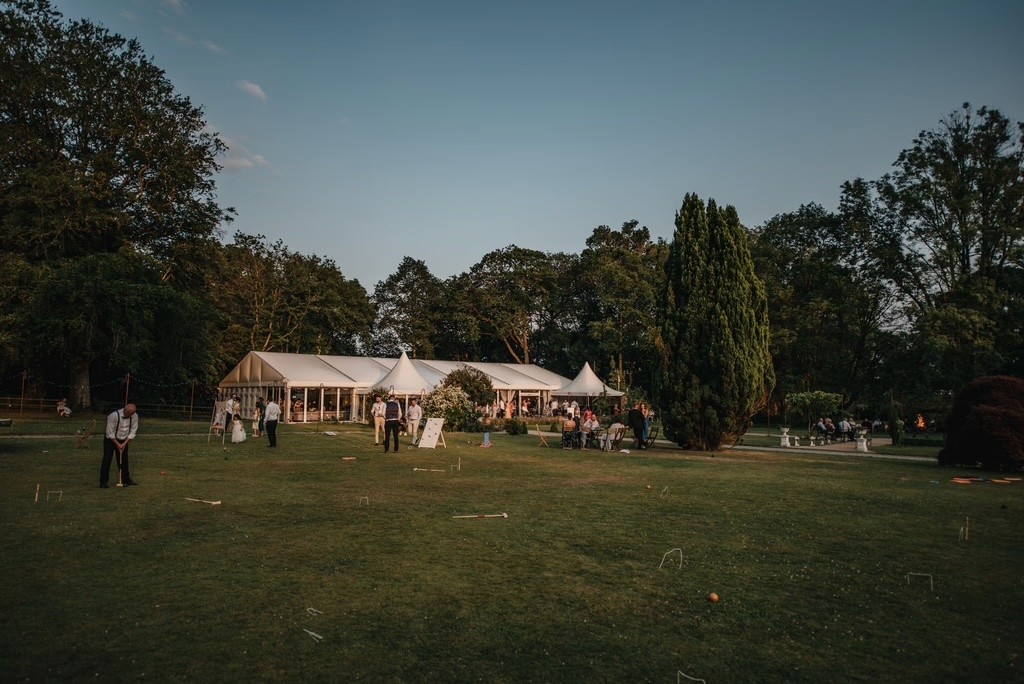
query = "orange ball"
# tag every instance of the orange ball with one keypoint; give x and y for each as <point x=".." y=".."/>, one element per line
<point x="713" y="597"/>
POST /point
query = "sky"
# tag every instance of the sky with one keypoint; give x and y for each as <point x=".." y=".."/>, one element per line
<point x="369" y="131"/>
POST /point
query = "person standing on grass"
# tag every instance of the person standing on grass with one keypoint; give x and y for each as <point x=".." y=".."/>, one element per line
<point x="271" y="416"/>
<point x="258" y="415"/>
<point x="392" y="421"/>
<point x="122" y="425"/>
<point x="635" y="419"/>
<point x="377" y="412"/>
<point x="413" y="417"/>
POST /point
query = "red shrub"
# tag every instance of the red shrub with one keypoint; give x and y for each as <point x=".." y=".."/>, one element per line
<point x="986" y="425"/>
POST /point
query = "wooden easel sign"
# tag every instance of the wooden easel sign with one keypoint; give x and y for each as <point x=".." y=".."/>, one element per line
<point x="431" y="434"/>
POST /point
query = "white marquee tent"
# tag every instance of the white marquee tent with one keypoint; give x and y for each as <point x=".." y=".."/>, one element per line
<point x="586" y="384"/>
<point x="313" y="387"/>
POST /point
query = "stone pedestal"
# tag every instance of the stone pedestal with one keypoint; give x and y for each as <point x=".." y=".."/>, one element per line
<point x="784" y="440"/>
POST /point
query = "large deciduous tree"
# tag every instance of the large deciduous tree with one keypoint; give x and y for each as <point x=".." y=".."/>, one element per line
<point x="408" y="304"/>
<point x="947" y="230"/>
<point x="98" y="156"/>
<point x="506" y="291"/>
<point x="278" y="300"/>
<point x="621" y="277"/>
<point x="827" y="307"/>
<point x="717" y="368"/>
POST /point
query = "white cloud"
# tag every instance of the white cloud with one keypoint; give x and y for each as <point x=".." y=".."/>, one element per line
<point x="213" y="47"/>
<point x="253" y="89"/>
<point x="238" y="158"/>
<point x="175" y="5"/>
<point x="180" y="37"/>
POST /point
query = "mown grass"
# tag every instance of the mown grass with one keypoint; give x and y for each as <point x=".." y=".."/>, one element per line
<point x="809" y="553"/>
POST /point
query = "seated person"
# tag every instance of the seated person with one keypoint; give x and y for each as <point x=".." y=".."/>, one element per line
<point x="590" y="427"/>
<point x="62" y="409"/>
<point x="613" y="430"/>
<point x="568" y="432"/>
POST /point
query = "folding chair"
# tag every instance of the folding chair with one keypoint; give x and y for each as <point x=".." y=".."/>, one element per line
<point x="649" y="442"/>
<point x="543" y="439"/>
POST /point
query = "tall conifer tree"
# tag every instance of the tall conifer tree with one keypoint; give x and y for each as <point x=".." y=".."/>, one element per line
<point x="713" y="329"/>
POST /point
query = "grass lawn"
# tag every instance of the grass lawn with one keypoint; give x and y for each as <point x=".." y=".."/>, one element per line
<point x="810" y="555"/>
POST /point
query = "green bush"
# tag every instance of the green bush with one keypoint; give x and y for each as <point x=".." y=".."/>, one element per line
<point x="452" y="404"/>
<point x="516" y="427"/>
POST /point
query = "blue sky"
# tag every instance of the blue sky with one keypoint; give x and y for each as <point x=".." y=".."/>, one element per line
<point x="367" y="132"/>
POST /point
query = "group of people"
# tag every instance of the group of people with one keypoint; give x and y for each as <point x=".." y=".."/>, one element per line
<point x="639" y="419"/>
<point x="585" y="427"/>
<point x="830" y="432"/>
<point x="388" y="416"/>
<point x="265" y="417"/>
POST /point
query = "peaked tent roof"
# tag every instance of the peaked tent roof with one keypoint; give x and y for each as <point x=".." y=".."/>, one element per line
<point x="587" y="384"/>
<point x="404" y="378"/>
<point x="275" y="368"/>
<point x="265" y="369"/>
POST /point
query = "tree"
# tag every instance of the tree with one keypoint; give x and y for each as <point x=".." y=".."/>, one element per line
<point x="813" y="405"/>
<point x="947" y="231"/>
<point x="98" y="155"/>
<point x="506" y="291"/>
<point x="278" y="300"/>
<point x="476" y="384"/>
<point x="827" y="307"/>
<point x="407" y="309"/>
<point x="713" y="339"/>
<point x="112" y="313"/>
<point x="621" y="274"/>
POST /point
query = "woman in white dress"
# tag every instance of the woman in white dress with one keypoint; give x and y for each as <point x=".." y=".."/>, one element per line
<point x="237" y="430"/>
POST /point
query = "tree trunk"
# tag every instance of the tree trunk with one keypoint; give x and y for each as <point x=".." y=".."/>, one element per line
<point x="80" y="389"/>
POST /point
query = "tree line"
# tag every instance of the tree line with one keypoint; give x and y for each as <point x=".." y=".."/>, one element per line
<point x="113" y="262"/>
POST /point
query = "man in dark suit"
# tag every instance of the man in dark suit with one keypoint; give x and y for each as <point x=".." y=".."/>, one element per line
<point x="635" y="419"/>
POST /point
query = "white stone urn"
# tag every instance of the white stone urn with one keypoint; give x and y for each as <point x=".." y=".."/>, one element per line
<point x="784" y="440"/>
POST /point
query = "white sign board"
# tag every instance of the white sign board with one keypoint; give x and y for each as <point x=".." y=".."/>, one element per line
<point x="431" y="433"/>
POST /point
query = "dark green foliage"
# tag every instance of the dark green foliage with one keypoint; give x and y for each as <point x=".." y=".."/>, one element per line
<point x="408" y="308"/>
<point x="516" y="427"/>
<point x="106" y="173"/>
<point x="826" y="309"/>
<point x="946" y="234"/>
<point x="714" y="330"/>
<point x="476" y="384"/>
<point x="986" y="425"/>
<point x="813" y="405"/>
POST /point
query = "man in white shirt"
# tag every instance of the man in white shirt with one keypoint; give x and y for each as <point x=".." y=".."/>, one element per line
<point x="272" y="416"/>
<point x="377" y="412"/>
<point x="413" y="417"/>
<point x="122" y="425"/>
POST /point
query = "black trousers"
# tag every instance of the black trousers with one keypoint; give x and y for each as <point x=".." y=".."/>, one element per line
<point x="638" y="433"/>
<point x="108" y="455"/>
<point x="272" y="432"/>
<point x="391" y="427"/>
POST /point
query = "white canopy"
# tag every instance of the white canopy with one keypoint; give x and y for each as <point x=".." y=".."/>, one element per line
<point x="404" y="379"/>
<point x="336" y="386"/>
<point x="586" y="384"/>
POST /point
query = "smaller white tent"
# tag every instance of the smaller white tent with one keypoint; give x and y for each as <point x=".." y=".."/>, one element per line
<point x="586" y="384"/>
<point x="405" y="380"/>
